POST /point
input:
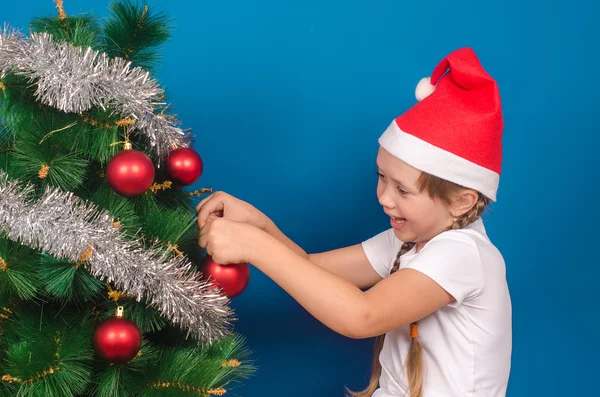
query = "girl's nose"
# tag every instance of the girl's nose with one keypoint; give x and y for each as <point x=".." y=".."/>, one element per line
<point x="386" y="199"/>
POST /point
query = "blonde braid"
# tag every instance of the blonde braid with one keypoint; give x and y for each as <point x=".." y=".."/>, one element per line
<point x="403" y="250"/>
<point x="414" y="361"/>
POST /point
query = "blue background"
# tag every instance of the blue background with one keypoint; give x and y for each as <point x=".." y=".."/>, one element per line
<point x="287" y="100"/>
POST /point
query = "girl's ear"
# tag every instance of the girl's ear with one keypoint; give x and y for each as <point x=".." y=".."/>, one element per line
<point x="463" y="201"/>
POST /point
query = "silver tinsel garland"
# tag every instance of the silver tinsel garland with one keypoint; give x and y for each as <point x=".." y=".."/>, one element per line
<point x="75" y="80"/>
<point x="65" y="226"/>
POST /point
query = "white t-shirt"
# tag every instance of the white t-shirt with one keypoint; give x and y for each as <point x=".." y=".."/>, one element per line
<point x="466" y="345"/>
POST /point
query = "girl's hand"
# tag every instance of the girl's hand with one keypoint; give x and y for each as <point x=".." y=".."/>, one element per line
<point x="228" y="241"/>
<point x="221" y="204"/>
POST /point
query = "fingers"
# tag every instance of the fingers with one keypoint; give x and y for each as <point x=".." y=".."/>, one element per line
<point x="203" y="239"/>
<point x="211" y="217"/>
<point x="208" y="232"/>
<point x="203" y="201"/>
<point x="210" y="207"/>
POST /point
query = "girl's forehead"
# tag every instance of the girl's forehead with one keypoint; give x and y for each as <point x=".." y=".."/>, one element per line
<point x="397" y="169"/>
<point x="390" y="163"/>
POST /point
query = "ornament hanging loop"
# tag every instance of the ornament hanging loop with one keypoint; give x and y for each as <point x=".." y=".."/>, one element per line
<point x="120" y="311"/>
<point x="127" y="145"/>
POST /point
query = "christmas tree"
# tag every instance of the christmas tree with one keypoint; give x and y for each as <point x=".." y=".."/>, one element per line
<point x="101" y="293"/>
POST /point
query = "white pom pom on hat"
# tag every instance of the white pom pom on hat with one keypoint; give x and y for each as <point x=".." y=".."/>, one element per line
<point x="424" y="88"/>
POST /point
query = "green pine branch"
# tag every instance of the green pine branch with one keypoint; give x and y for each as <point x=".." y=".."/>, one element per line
<point x="93" y="136"/>
<point x="46" y="352"/>
<point x="35" y="141"/>
<point x="167" y="225"/>
<point x="18" y="270"/>
<point x="134" y="32"/>
<point x="127" y="380"/>
<point x="17" y="104"/>
<point x="147" y="318"/>
<point x="68" y="282"/>
<point x="82" y="31"/>
<point x="196" y="371"/>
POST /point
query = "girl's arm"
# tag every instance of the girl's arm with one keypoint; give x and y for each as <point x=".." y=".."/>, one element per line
<point x="402" y="298"/>
<point x="406" y="296"/>
<point x="349" y="263"/>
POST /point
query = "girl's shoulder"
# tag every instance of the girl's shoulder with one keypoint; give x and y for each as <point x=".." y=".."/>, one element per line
<point x="469" y="247"/>
<point x="474" y="235"/>
<point x="461" y="261"/>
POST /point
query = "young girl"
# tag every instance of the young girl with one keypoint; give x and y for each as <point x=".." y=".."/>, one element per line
<point x="432" y="288"/>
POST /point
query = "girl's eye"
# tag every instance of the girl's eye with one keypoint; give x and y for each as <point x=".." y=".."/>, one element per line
<point x="402" y="191"/>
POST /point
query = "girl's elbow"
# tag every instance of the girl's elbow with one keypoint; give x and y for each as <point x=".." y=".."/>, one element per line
<point x="359" y="327"/>
<point x="356" y="334"/>
<point x="361" y="332"/>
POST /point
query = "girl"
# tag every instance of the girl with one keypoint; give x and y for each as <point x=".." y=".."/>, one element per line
<point x="432" y="288"/>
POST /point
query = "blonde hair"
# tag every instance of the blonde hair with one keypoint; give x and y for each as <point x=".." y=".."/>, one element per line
<point x="444" y="190"/>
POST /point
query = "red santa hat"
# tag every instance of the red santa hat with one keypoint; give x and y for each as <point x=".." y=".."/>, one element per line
<point x="455" y="130"/>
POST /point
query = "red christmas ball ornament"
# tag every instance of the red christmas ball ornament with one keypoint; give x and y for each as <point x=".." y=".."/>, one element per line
<point x="117" y="340"/>
<point x="183" y="166"/>
<point x="130" y="172"/>
<point x="232" y="279"/>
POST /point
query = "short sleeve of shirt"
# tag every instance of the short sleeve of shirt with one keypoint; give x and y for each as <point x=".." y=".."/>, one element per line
<point x="381" y="250"/>
<point x="452" y="260"/>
